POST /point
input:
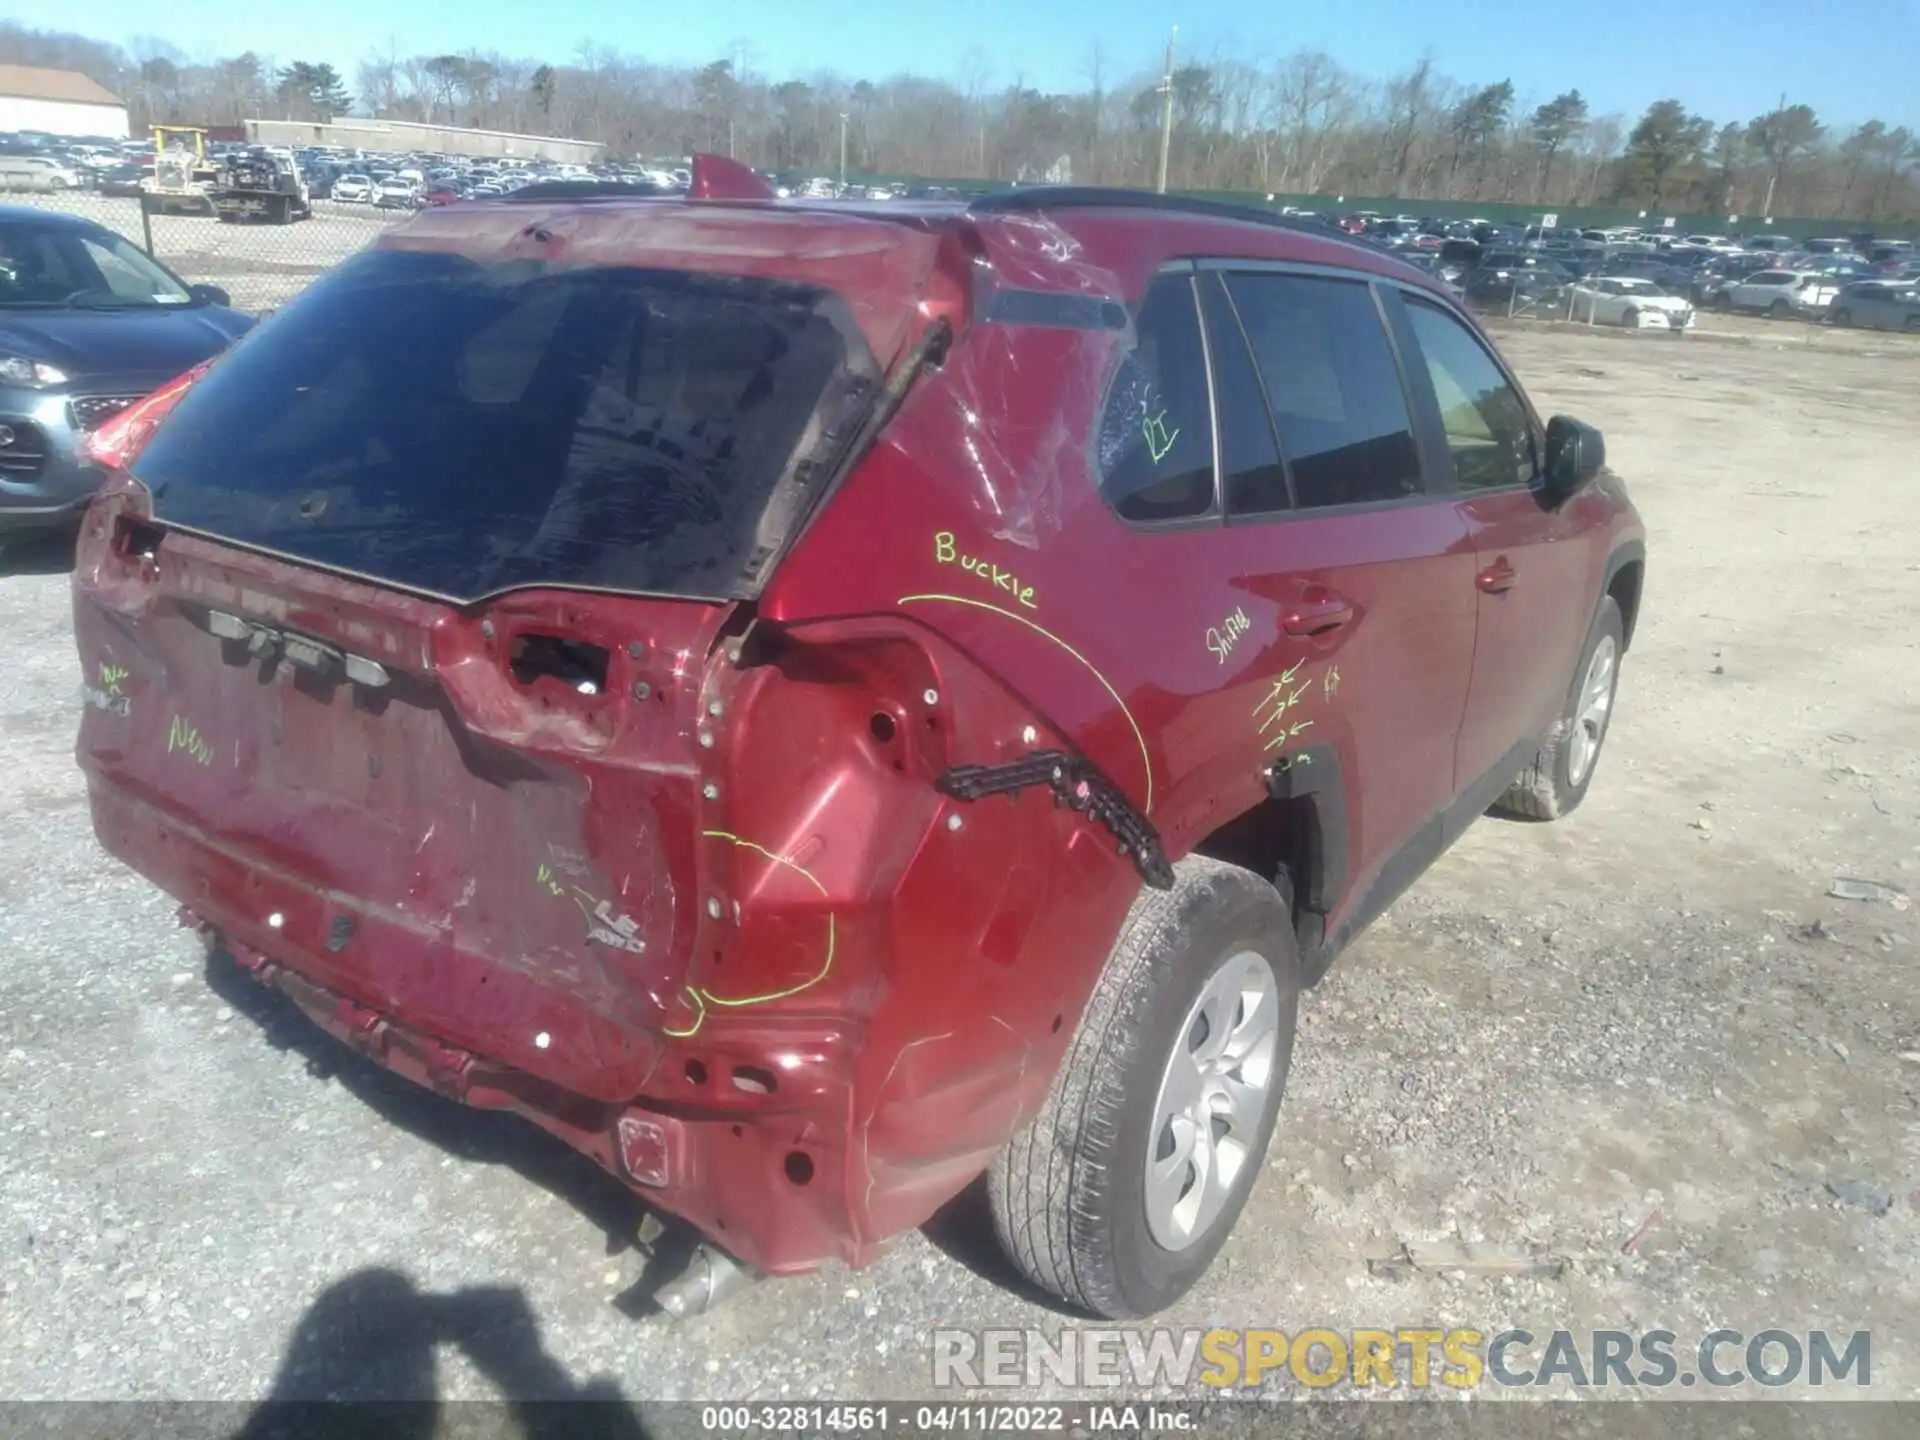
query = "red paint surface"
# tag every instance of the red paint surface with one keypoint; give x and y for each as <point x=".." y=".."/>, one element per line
<point x="843" y="1005"/>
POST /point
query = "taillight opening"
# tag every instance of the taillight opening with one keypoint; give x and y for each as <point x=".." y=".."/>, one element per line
<point x="135" y="539"/>
<point x="577" y="664"/>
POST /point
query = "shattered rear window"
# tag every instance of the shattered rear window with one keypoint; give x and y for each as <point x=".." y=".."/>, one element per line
<point x="462" y="428"/>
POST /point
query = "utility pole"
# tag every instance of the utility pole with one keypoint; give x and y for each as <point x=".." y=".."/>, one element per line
<point x="1773" y="171"/>
<point x="1166" y="111"/>
<point x="843" y="149"/>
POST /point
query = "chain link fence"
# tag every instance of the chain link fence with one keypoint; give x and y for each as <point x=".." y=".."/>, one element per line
<point x="261" y="266"/>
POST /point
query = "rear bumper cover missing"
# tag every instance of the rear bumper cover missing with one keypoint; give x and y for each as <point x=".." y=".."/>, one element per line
<point x="757" y="1167"/>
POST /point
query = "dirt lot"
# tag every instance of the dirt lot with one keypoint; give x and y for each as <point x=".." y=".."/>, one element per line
<point x="1648" y="1021"/>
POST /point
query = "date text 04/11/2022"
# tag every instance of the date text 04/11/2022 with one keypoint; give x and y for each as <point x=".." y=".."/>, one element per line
<point x="960" y="1418"/>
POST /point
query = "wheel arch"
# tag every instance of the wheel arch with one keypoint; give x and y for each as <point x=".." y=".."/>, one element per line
<point x="1298" y="839"/>
<point x="1626" y="570"/>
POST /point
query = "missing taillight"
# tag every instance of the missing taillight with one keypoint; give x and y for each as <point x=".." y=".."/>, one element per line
<point x="135" y="539"/>
<point x="574" y="663"/>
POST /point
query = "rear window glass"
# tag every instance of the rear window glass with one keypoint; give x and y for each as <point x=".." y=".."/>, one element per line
<point x="463" y="428"/>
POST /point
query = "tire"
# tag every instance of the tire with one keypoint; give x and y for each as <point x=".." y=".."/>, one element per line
<point x="1843" y="317"/>
<point x="1631" y="319"/>
<point x="1912" y="326"/>
<point x="1779" y="309"/>
<point x="1070" y="1193"/>
<point x="1550" y="788"/>
<point x="1722" y="301"/>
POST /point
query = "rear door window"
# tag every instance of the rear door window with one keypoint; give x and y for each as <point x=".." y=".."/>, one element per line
<point x="1333" y="386"/>
<point x="463" y="428"/>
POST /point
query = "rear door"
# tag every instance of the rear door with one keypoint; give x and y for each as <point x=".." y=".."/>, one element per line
<point x="1329" y="518"/>
<point x="436" y="571"/>
<point x="1532" y="562"/>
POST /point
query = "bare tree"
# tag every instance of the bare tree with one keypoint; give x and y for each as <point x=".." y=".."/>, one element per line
<point x="1297" y="126"/>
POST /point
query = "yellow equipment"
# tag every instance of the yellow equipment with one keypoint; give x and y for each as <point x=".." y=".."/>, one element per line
<point x="181" y="176"/>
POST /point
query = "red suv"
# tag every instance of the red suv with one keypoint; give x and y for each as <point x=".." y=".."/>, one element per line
<point x="809" y="703"/>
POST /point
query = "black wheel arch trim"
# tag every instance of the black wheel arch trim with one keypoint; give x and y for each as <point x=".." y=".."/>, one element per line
<point x="1627" y="552"/>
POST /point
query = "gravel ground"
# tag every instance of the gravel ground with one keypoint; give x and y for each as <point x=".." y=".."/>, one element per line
<point x="1649" y="1021"/>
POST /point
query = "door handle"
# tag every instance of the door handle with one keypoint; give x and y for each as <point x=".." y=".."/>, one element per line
<point x="1497" y="578"/>
<point x="1316" y="613"/>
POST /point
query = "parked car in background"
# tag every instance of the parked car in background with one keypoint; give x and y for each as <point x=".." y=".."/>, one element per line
<point x="1706" y="242"/>
<point x="576" y="546"/>
<point x="1769" y="243"/>
<point x="1629" y="301"/>
<point x="1829" y="245"/>
<point x="123" y="181"/>
<point x="353" y="189"/>
<point x="1432" y="263"/>
<point x="88" y="324"/>
<point x="1539" y="285"/>
<point x="38" y="172"/>
<point x="1669" y="278"/>
<point x="396" y="194"/>
<point x="1878" y="305"/>
<point x="1779" y="293"/>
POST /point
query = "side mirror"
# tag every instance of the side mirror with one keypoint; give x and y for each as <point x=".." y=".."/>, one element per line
<point x="209" y="295"/>
<point x="1575" y="453"/>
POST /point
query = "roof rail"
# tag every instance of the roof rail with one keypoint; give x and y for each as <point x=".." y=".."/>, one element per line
<point x="584" y="190"/>
<point x="1087" y="197"/>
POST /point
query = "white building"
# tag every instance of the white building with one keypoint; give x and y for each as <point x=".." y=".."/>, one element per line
<point x="59" y="102"/>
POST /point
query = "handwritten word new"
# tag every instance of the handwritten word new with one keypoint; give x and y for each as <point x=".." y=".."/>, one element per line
<point x="111" y="676"/>
<point x="1224" y="636"/>
<point x="182" y="736"/>
<point x="945" y="552"/>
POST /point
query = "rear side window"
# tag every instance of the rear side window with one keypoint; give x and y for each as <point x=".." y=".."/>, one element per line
<point x="1333" y="386"/>
<point x="1156" y="433"/>
<point x="464" y="428"/>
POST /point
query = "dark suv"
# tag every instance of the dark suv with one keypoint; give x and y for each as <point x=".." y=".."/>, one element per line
<point x="811" y="703"/>
<point x="89" y="323"/>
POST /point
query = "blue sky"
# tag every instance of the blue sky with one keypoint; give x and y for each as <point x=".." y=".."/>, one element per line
<point x="1728" y="59"/>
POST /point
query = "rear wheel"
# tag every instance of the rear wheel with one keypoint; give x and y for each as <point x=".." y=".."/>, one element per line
<point x="1631" y="319"/>
<point x="1722" y="301"/>
<point x="1779" y="309"/>
<point x="1556" y="782"/>
<point x="1843" y="317"/>
<point x="1124" y="1188"/>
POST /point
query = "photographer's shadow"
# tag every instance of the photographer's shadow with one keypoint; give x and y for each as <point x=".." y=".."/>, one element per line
<point x="363" y="1363"/>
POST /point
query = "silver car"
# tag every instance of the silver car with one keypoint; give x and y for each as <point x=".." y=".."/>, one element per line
<point x="1879" y="305"/>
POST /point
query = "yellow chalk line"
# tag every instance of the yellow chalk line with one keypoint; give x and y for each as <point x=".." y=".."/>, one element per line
<point x="1146" y="760"/>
